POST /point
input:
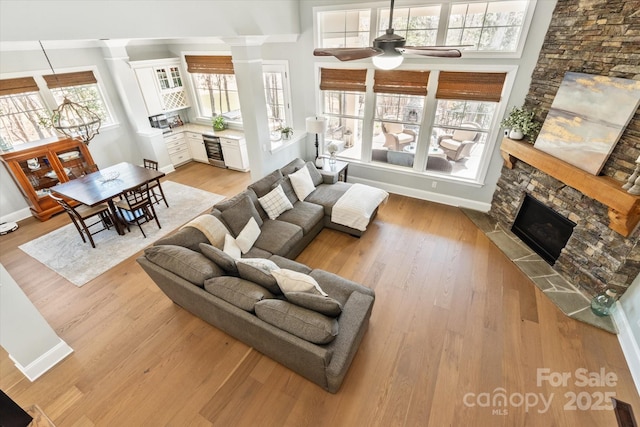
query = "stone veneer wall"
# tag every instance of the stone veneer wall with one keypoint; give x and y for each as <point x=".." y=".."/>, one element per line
<point x="595" y="37"/>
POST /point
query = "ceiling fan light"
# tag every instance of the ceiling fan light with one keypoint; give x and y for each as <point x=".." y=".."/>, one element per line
<point x="387" y="61"/>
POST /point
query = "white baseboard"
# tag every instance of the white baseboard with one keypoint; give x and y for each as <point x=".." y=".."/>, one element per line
<point x="16" y="216"/>
<point x="425" y="195"/>
<point x="45" y="362"/>
<point x="630" y="347"/>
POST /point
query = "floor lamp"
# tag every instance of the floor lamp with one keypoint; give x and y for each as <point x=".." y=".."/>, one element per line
<point x="317" y="125"/>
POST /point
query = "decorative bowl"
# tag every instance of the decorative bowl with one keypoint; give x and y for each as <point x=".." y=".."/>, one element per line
<point x="109" y="176"/>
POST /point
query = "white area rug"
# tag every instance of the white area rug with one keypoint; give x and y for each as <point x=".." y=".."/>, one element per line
<point x="64" y="252"/>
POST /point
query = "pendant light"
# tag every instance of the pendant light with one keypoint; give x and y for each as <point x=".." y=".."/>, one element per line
<point x="72" y="119"/>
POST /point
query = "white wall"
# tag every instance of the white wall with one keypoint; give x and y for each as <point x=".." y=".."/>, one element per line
<point x="31" y="343"/>
<point x="630" y="303"/>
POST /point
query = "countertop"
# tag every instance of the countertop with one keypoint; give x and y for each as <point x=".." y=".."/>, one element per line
<point x="206" y="130"/>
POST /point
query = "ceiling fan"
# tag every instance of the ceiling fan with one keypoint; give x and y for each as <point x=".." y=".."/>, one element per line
<point x="387" y="49"/>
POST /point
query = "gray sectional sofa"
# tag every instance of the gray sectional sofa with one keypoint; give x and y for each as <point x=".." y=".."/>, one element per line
<point x="245" y="300"/>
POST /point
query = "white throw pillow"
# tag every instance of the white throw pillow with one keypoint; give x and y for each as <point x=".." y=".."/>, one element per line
<point x="302" y="183"/>
<point x="292" y="281"/>
<point x="213" y="229"/>
<point x="231" y="248"/>
<point x="275" y="202"/>
<point x="248" y="235"/>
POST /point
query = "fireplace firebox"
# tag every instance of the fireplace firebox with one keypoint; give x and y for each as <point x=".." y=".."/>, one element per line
<point x="542" y="229"/>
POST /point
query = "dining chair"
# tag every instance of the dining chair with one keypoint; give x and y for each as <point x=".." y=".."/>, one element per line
<point x="82" y="214"/>
<point x="136" y="206"/>
<point x="155" y="184"/>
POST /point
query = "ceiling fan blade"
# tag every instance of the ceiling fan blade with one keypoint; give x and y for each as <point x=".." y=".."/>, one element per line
<point x="348" y="53"/>
<point x="437" y="51"/>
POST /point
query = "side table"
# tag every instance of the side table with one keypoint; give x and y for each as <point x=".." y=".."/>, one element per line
<point x="339" y="169"/>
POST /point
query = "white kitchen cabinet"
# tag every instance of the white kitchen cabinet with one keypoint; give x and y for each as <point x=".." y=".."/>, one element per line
<point x="161" y="85"/>
<point x="235" y="153"/>
<point x="178" y="148"/>
<point x="196" y="147"/>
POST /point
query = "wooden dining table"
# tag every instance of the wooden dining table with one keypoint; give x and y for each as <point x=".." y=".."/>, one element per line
<point x="96" y="188"/>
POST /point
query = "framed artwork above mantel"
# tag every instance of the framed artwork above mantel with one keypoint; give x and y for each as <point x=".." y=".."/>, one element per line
<point x="587" y="117"/>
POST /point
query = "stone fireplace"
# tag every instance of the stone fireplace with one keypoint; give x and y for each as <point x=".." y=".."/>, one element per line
<point x="594" y="37"/>
<point x="542" y="229"/>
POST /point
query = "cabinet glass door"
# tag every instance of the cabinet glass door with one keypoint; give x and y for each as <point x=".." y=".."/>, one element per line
<point x="40" y="174"/>
<point x="175" y="76"/>
<point x="74" y="163"/>
<point x="163" y="79"/>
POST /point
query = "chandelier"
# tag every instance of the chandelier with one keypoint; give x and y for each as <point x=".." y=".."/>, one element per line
<point x="72" y="119"/>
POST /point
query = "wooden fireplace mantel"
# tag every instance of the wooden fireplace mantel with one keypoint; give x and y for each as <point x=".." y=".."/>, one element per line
<point x="624" y="208"/>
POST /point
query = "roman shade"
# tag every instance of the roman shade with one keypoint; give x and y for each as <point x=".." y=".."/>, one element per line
<point x="209" y="64"/>
<point x="70" y="79"/>
<point x="470" y="86"/>
<point x="19" y="85"/>
<point x="342" y="79"/>
<point x="404" y="82"/>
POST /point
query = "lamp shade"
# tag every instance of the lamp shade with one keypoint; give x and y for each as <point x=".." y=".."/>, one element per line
<point x="316" y="124"/>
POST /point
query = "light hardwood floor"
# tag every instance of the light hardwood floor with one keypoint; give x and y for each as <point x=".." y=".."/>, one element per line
<point x="453" y="321"/>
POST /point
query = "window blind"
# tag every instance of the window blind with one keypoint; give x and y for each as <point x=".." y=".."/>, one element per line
<point x="18" y="85"/>
<point x="470" y="86"/>
<point x="404" y="82"/>
<point x="209" y="64"/>
<point x="349" y="80"/>
<point x="70" y="79"/>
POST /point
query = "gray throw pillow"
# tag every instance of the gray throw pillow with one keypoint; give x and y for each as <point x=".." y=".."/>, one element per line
<point x="187" y="237"/>
<point x="237" y="215"/>
<point x="188" y="264"/>
<point x="222" y="259"/>
<point x="287" y="188"/>
<point x="260" y="276"/>
<point x="301" y="322"/>
<point x="315" y="175"/>
<point x="239" y="292"/>
<point x="320" y="303"/>
<point x="292" y="166"/>
<point x="266" y="184"/>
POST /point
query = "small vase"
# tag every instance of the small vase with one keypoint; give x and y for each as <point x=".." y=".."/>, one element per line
<point x="332" y="158"/>
<point x="601" y="304"/>
<point x="515" y="134"/>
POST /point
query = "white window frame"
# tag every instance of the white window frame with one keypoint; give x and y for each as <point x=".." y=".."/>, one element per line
<point x="281" y="67"/>
<point x="428" y="118"/>
<point x="376" y="13"/>
<point x="49" y="100"/>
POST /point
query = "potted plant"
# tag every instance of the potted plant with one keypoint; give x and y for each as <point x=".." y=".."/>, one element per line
<point x="219" y="123"/>
<point x="287" y="132"/>
<point x="521" y="122"/>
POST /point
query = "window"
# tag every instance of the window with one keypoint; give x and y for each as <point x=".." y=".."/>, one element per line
<point x="399" y="104"/>
<point x="419" y="25"/>
<point x="346" y="28"/>
<point x="466" y="104"/>
<point x="276" y="87"/>
<point x="343" y="105"/>
<point x="81" y="88"/>
<point x="23" y="114"/>
<point x="215" y="86"/>
<point x="488" y="26"/>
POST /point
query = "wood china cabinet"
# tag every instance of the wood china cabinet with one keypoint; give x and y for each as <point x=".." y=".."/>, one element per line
<point x="37" y="166"/>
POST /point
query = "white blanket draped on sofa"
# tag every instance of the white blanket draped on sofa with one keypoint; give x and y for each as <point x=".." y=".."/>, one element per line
<point x="355" y="207"/>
